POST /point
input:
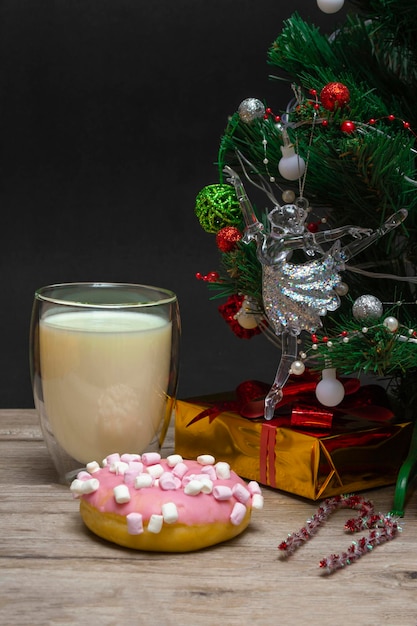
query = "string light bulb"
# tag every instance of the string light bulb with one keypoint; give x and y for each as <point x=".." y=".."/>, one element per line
<point x="330" y="6"/>
<point x="291" y="166"/>
<point x="330" y="390"/>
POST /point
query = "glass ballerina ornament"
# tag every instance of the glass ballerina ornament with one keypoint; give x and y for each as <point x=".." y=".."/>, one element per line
<point x="297" y="295"/>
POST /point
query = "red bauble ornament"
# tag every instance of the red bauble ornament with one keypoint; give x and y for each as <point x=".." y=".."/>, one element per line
<point x="313" y="227"/>
<point x="334" y="95"/>
<point x="227" y="238"/>
<point x="347" y="127"/>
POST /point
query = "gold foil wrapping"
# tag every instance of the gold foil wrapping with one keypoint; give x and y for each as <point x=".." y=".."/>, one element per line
<point x="355" y="455"/>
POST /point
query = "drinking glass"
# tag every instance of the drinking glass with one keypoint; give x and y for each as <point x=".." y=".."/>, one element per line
<point x="104" y="367"/>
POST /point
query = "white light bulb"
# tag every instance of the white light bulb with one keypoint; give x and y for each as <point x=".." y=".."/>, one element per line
<point x="291" y="166"/>
<point x="329" y="390"/>
<point x="330" y="6"/>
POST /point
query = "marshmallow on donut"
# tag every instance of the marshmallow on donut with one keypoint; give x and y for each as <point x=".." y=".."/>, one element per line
<point x="166" y="505"/>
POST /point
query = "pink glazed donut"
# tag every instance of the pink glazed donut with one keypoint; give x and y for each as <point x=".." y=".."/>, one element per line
<point x="166" y="505"/>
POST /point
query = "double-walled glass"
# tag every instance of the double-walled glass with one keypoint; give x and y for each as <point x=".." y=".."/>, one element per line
<point x="104" y="367"/>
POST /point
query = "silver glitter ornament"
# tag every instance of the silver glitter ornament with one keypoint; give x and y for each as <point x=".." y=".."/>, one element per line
<point x="305" y="293"/>
<point x="250" y="109"/>
<point x="367" y="307"/>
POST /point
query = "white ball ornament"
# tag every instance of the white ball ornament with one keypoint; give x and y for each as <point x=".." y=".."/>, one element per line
<point x="297" y="368"/>
<point x="330" y="6"/>
<point x="330" y="391"/>
<point x="391" y="323"/>
<point x="291" y="166"/>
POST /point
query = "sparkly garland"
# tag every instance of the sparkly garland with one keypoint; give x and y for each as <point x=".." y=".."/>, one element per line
<point x="381" y="347"/>
<point x="382" y="528"/>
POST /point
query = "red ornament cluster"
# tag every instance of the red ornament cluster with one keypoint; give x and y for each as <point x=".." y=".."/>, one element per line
<point x="315" y="338"/>
<point x="229" y="310"/>
<point x="269" y="113"/>
<point x="227" y="238"/>
<point x="334" y="95"/>
<point x="211" y="277"/>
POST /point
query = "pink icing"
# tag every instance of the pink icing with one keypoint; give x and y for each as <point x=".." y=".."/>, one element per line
<point x="202" y="508"/>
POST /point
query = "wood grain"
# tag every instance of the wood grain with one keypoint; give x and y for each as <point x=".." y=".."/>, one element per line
<point x="53" y="571"/>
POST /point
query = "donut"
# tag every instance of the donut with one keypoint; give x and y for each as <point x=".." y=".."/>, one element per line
<point x="149" y="503"/>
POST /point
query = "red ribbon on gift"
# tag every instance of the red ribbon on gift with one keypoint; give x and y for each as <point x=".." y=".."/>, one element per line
<point x="248" y="393"/>
<point x="306" y="411"/>
<point x="267" y="453"/>
<point x="267" y="449"/>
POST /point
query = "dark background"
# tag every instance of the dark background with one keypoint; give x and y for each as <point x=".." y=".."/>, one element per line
<point x="110" y="118"/>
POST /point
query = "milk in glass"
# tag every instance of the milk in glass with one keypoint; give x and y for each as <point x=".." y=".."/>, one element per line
<point x="105" y="375"/>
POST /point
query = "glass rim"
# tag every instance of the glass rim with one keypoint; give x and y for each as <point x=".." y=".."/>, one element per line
<point x="167" y="296"/>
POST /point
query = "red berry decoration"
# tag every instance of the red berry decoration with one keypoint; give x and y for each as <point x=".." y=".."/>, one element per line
<point x="334" y="95"/>
<point x="211" y="277"/>
<point x="347" y="127"/>
<point x="313" y="227"/>
<point x="227" y="238"/>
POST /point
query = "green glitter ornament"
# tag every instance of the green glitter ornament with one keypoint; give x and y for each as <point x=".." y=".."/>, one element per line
<point x="216" y="207"/>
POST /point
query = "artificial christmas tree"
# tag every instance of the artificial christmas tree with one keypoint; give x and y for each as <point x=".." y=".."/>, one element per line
<point x="315" y="209"/>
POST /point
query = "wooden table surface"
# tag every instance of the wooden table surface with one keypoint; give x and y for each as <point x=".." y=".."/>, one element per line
<point x="53" y="571"/>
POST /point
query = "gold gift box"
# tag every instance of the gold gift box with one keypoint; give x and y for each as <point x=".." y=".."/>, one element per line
<point x="354" y="455"/>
